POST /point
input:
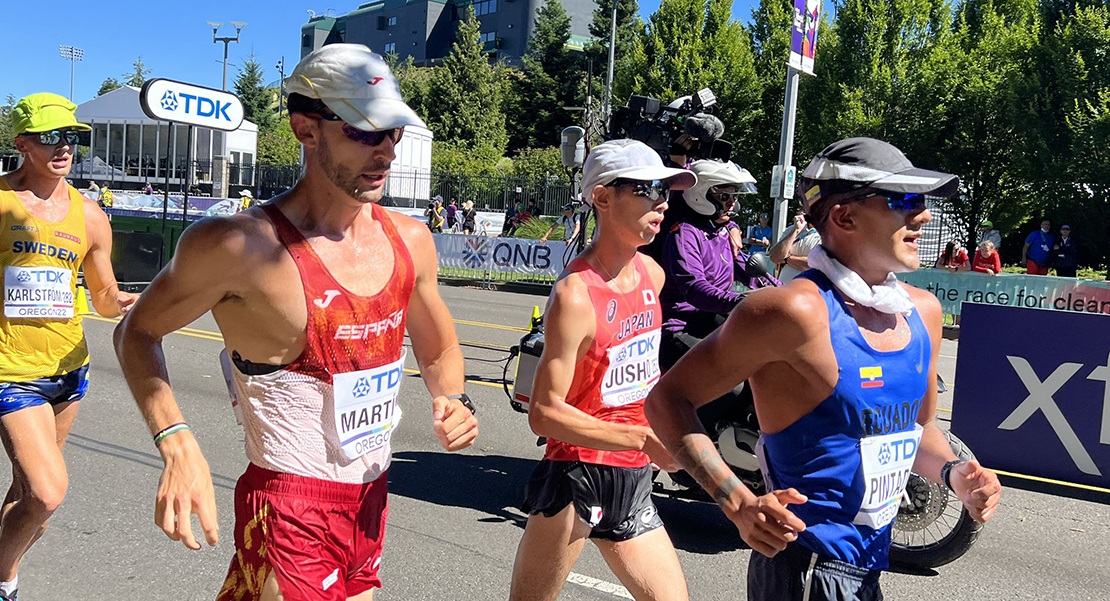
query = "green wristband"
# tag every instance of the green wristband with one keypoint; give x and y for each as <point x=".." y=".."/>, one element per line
<point x="170" y="430"/>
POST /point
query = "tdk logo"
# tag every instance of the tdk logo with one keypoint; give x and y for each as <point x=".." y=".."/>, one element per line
<point x="197" y="105"/>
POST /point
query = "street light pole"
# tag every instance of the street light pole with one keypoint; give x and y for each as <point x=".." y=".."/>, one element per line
<point x="609" y="79"/>
<point x="216" y="39"/>
<point x="72" y="55"/>
<point x="281" y="86"/>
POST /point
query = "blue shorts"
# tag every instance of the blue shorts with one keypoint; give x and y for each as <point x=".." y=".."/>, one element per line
<point x="51" y="389"/>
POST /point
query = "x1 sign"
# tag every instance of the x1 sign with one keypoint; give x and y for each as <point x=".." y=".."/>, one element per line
<point x="168" y="100"/>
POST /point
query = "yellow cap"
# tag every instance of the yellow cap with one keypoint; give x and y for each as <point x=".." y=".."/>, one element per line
<point x="44" y="112"/>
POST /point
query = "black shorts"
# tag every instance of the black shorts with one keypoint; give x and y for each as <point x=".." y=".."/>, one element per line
<point x="798" y="574"/>
<point x="614" y="501"/>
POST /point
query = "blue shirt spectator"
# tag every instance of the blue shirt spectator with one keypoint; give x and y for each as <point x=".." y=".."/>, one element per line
<point x="759" y="236"/>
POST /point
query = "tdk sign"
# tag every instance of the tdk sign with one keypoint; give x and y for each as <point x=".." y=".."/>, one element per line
<point x="168" y="100"/>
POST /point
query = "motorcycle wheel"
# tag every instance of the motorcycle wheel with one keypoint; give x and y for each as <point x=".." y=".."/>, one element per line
<point x="932" y="528"/>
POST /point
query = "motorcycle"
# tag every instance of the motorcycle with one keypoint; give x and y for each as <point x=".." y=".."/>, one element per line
<point x="932" y="528"/>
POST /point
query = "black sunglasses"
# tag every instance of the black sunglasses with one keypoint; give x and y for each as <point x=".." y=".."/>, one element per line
<point x="369" y="138"/>
<point x="54" y="137"/>
<point x="653" y="189"/>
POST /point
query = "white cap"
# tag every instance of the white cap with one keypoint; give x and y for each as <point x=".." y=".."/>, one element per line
<point x="628" y="159"/>
<point x="246" y="193"/>
<point x="355" y="84"/>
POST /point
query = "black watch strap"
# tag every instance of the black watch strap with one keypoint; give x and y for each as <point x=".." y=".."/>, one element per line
<point x="946" y="472"/>
<point x="465" y="400"/>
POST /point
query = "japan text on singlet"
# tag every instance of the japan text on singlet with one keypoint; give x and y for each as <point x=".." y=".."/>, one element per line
<point x="330" y="413"/>
<point x="852" y="454"/>
<point x="620" y="367"/>
<point x="40" y="331"/>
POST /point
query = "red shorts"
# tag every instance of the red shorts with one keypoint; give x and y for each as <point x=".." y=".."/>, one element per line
<point x="1032" y="268"/>
<point x="323" y="540"/>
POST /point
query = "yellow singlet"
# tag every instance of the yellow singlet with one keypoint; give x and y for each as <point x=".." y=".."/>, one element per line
<point x="40" y="331"/>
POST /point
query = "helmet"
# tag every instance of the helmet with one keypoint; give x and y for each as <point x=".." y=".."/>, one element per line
<point x="712" y="174"/>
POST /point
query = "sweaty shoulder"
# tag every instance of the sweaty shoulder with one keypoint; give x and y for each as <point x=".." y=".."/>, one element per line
<point x="232" y="243"/>
<point x="783" y="317"/>
<point x="927" y="305"/>
<point x="418" y="240"/>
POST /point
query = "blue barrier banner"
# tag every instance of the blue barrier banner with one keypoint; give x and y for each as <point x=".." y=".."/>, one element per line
<point x="1032" y="393"/>
<point x="1011" y="290"/>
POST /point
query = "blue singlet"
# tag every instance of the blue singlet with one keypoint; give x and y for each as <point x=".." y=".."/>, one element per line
<point x="852" y="454"/>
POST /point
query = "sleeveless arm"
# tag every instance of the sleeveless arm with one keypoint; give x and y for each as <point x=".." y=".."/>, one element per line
<point x="106" y="297"/>
<point x="569" y="326"/>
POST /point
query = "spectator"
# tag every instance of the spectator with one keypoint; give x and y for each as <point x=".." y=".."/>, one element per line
<point x="1064" y="254"/>
<point x="987" y="260"/>
<point x="520" y="218"/>
<point x="759" y="236"/>
<point x="987" y="232"/>
<point x="569" y="223"/>
<point x="149" y="189"/>
<point x="510" y="217"/>
<point x="534" y="209"/>
<point x="1037" y="251"/>
<point x="94" y="190"/>
<point x="792" y="250"/>
<point x="468" y="214"/>
<point x="953" y="258"/>
<point x="246" y="199"/>
<point x="434" y="213"/>
<point x="452" y="216"/>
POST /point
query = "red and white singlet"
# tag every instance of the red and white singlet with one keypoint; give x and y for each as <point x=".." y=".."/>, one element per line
<point x="331" y="412"/>
<point x="620" y="367"/>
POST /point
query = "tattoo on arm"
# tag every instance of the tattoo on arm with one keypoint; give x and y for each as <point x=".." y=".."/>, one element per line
<point x="704" y="463"/>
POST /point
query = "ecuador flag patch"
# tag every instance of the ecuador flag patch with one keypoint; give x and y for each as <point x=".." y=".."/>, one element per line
<point x="871" y="377"/>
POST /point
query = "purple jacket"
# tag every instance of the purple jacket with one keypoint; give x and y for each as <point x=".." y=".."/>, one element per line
<point x="700" y="272"/>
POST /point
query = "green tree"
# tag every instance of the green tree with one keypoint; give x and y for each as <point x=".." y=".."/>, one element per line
<point x="7" y="145"/>
<point x="466" y="95"/>
<point x="109" y="84"/>
<point x="688" y="45"/>
<point x="550" y="80"/>
<point x="628" y="25"/>
<point x="138" y="76"/>
<point x="257" y="100"/>
<point x="277" y="145"/>
<point x="414" y="82"/>
<point x="539" y="163"/>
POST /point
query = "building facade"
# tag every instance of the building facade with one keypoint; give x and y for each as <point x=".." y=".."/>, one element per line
<point x="425" y="29"/>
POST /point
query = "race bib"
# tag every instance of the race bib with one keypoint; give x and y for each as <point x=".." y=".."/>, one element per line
<point x="366" y="410"/>
<point x="887" y="462"/>
<point x="633" y="370"/>
<point x="37" y="293"/>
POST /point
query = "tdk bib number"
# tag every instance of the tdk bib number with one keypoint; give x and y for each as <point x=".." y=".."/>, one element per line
<point x="633" y="370"/>
<point x="37" y="293"/>
<point x="887" y="463"/>
<point x="366" y="410"/>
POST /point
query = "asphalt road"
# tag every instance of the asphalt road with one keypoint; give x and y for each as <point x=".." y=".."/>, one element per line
<point x="454" y="523"/>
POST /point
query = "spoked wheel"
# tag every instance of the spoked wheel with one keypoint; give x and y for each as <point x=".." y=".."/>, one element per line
<point x="932" y="528"/>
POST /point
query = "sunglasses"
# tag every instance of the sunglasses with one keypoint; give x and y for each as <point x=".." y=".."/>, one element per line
<point x="53" y="138"/>
<point x="369" y="138"/>
<point x="897" y="201"/>
<point x="654" y="189"/>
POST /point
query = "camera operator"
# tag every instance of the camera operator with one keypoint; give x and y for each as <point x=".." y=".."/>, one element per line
<point x="700" y="259"/>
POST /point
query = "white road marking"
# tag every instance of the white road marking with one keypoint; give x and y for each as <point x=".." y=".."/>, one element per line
<point x="600" y="585"/>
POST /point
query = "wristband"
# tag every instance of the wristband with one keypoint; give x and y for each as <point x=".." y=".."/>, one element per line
<point x="946" y="472"/>
<point x="169" y="430"/>
<point x="465" y="400"/>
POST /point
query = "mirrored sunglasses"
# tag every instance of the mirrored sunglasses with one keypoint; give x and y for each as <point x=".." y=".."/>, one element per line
<point x="654" y="189"/>
<point x="909" y="201"/>
<point x="369" y="138"/>
<point x="54" y="137"/>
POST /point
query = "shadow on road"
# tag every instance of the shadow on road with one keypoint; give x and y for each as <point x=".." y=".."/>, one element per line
<point x="147" y="459"/>
<point x="492" y="484"/>
<point x="485" y="483"/>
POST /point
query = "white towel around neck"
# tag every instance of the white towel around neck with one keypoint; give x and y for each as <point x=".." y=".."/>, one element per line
<point x="888" y="297"/>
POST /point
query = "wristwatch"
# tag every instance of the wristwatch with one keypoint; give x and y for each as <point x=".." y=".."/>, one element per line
<point x="946" y="472"/>
<point x="465" y="400"/>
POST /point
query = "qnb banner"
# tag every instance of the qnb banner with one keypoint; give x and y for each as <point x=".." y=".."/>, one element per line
<point x="1032" y="392"/>
<point x="511" y="255"/>
<point x="1011" y="290"/>
<point x="486" y="223"/>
